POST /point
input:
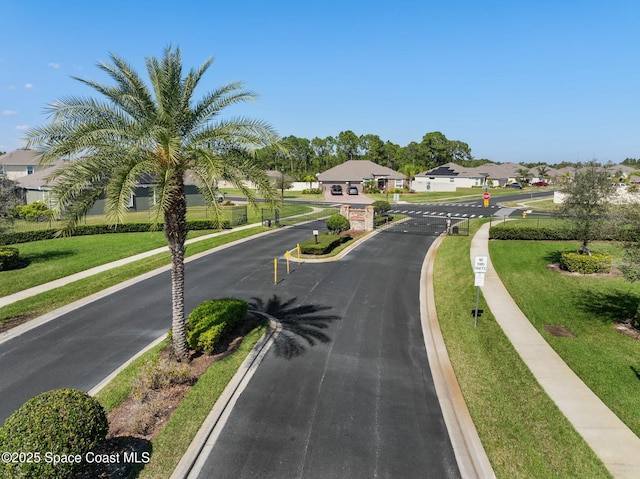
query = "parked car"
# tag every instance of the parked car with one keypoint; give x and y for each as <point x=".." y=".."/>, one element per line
<point x="514" y="185"/>
<point x="540" y="183"/>
<point x="336" y="190"/>
<point x="353" y="190"/>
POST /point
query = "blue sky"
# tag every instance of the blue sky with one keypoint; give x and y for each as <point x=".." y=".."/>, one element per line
<point x="516" y="80"/>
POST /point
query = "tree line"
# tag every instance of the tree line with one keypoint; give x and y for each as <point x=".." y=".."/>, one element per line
<point x="302" y="159"/>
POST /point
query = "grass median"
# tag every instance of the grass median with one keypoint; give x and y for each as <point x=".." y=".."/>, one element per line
<point x="523" y="432"/>
<point x="174" y="438"/>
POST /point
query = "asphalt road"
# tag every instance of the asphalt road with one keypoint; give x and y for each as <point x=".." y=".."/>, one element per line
<point x="361" y="403"/>
<point x="346" y="392"/>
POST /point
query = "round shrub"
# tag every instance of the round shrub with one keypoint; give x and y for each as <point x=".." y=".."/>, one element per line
<point x="338" y="223"/>
<point x="9" y="258"/>
<point x="381" y="207"/>
<point x="62" y="421"/>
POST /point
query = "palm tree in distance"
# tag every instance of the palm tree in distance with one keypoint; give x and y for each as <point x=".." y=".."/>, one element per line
<point x="137" y="131"/>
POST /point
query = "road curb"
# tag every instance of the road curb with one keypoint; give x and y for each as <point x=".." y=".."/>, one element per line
<point x="204" y="440"/>
<point x="470" y="454"/>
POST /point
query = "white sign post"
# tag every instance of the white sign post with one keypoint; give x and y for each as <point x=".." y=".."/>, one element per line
<point x="479" y="268"/>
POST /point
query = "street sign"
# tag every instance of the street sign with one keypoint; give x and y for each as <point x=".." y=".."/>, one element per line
<point x="486" y="195"/>
<point x="480" y="264"/>
<point x="479" y="281"/>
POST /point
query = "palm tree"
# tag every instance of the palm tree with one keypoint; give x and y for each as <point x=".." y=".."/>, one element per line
<point x="137" y="131"/>
<point x="543" y="172"/>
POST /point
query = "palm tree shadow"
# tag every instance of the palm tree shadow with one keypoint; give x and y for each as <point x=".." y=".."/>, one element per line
<point x="302" y="326"/>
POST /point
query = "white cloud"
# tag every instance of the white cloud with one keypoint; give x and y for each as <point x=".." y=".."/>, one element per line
<point x="28" y="85"/>
<point x="22" y="127"/>
<point x="9" y="112"/>
<point x="54" y="65"/>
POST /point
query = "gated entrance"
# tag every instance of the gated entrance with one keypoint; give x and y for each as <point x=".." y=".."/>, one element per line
<point x="434" y="225"/>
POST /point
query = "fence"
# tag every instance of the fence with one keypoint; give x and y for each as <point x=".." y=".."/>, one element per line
<point x="292" y="213"/>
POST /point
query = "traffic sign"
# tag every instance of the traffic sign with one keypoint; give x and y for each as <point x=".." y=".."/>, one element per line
<point x="486" y="195"/>
<point x="479" y="281"/>
<point x="480" y="264"/>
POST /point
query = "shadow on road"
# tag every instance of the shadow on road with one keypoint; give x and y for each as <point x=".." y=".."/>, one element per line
<point x="302" y="325"/>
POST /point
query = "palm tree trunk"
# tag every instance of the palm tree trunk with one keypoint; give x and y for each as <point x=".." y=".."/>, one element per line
<point x="175" y="230"/>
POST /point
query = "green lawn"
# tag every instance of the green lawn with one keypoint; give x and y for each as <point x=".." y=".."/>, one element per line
<point x="522" y="430"/>
<point x="608" y="362"/>
<point x="52" y="259"/>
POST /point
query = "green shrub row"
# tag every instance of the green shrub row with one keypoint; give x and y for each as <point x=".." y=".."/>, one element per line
<point x="326" y="244"/>
<point x="381" y="220"/>
<point x="211" y="320"/>
<point x="312" y="191"/>
<point x="9" y="258"/>
<point x="547" y="233"/>
<point x="60" y="422"/>
<point x="585" y="264"/>
<point x="84" y="230"/>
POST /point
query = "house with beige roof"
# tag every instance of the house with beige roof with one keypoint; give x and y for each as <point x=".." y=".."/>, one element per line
<point x="357" y="172"/>
<point x="19" y="163"/>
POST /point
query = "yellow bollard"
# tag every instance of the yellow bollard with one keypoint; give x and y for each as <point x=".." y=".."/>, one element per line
<point x="275" y="270"/>
<point x="298" y="249"/>
<point x="524" y="215"/>
<point x="286" y="255"/>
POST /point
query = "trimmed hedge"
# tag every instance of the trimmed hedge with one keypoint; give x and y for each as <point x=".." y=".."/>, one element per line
<point x="585" y="264"/>
<point x="326" y="244"/>
<point x="62" y="421"/>
<point x="86" y="230"/>
<point x="211" y="320"/>
<point x="545" y="233"/>
<point x="9" y="258"/>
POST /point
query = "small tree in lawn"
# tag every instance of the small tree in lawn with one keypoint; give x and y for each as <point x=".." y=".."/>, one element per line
<point x="8" y="200"/>
<point x="588" y="198"/>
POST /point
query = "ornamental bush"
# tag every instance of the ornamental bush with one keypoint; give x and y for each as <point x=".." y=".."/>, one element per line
<point x="62" y="421"/>
<point x="337" y="223"/>
<point x="585" y="264"/>
<point x="36" y="211"/>
<point x="381" y="207"/>
<point x="9" y="258"/>
<point x="211" y="320"/>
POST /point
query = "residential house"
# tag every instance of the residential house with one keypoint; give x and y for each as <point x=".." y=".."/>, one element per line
<point x="19" y="163"/>
<point x="37" y="187"/>
<point x="357" y="172"/>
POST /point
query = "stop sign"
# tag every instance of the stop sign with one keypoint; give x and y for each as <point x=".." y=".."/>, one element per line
<point x="486" y="195"/>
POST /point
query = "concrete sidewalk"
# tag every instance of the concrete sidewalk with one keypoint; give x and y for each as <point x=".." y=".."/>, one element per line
<point x="611" y="440"/>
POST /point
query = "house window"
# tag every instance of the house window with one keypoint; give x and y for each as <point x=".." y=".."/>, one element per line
<point x="452" y="180"/>
<point x="31" y="169"/>
<point x="398" y="184"/>
<point x="131" y="201"/>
